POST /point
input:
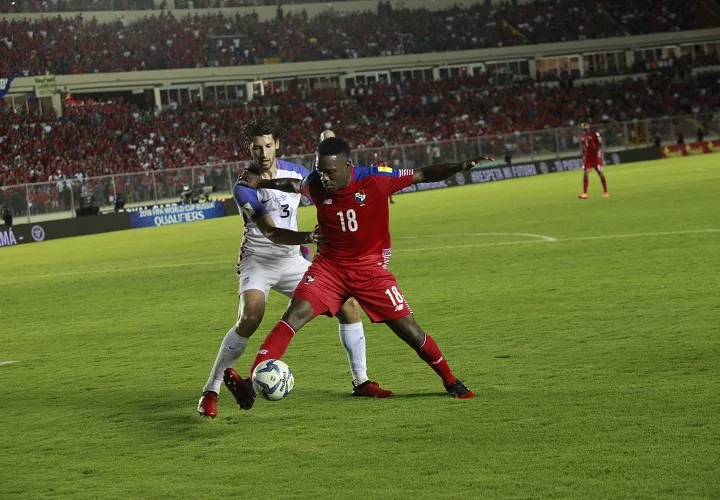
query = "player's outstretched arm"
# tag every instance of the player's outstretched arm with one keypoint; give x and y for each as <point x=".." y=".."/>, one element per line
<point x="254" y="181"/>
<point x="282" y="236"/>
<point x="441" y="171"/>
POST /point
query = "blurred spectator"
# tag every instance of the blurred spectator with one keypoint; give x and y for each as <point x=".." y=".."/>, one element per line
<point x="73" y="46"/>
<point x="107" y="137"/>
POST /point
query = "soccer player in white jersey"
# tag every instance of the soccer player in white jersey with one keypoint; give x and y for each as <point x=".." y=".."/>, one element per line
<point x="270" y="259"/>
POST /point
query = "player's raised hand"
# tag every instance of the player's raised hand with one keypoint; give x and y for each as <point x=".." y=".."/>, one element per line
<point x="474" y="162"/>
<point x="249" y="179"/>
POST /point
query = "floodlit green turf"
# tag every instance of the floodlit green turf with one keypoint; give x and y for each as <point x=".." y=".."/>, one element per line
<point x="595" y="358"/>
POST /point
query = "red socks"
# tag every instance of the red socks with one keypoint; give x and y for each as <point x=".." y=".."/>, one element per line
<point x="604" y="182"/>
<point x="586" y="181"/>
<point x="274" y="345"/>
<point x="430" y="353"/>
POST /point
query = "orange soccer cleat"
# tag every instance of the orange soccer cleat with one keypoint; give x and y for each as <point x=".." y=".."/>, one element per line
<point x="605" y="194"/>
<point x="583" y="196"/>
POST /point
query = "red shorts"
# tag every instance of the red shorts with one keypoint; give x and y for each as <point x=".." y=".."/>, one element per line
<point x="592" y="162"/>
<point x="327" y="287"/>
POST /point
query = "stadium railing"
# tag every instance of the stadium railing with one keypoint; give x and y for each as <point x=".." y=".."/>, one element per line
<point x="59" y="198"/>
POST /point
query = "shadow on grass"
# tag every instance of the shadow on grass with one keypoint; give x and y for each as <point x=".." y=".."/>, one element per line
<point x="413" y="395"/>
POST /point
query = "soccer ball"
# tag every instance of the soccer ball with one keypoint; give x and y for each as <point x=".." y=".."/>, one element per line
<point x="273" y="379"/>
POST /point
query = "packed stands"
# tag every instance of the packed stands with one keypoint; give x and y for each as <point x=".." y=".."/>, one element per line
<point x="12" y="6"/>
<point x="96" y="138"/>
<point x="73" y="46"/>
<point x="654" y="17"/>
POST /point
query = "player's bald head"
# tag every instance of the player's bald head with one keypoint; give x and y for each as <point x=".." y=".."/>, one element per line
<point x="326" y="134"/>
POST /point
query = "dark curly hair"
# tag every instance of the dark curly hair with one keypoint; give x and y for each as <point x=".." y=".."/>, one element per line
<point x="262" y="125"/>
<point x="334" y="146"/>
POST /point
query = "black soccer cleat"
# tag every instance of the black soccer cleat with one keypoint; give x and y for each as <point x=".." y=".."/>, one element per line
<point x="458" y="390"/>
<point x="240" y="388"/>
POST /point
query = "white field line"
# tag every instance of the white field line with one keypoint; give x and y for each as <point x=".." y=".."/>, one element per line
<point x="7" y="362"/>
<point x="463" y="235"/>
<point x="526" y="242"/>
<point x="539" y="239"/>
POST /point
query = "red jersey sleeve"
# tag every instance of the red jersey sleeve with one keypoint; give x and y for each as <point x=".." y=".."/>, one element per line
<point x="392" y="180"/>
<point x="305" y="184"/>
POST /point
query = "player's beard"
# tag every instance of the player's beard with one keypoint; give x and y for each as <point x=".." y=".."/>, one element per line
<point x="261" y="166"/>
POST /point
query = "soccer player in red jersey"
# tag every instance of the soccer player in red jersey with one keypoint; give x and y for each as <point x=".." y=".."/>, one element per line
<point x="593" y="158"/>
<point x="353" y="239"/>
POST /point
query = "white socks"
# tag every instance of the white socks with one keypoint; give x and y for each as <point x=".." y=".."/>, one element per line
<point x="231" y="348"/>
<point x="352" y="337"/>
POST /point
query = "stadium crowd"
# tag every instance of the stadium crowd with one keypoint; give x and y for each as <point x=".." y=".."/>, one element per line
<point x="96" y="138"/>
<point x="18" y="6"/>
<point x="72" y="46"/>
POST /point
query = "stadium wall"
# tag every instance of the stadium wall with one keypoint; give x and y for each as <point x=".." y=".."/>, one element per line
<point x="64" y="228"/>
<point x="152" y="216"/>
<point x="167" y="78"/>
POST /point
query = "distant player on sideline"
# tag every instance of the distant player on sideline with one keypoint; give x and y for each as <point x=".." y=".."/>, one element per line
<point x="270" y="258"/>
<point x="353" y="251"/>
<point x="593" y="157"/>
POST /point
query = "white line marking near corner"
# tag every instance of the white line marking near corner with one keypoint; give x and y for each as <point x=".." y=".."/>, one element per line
<point x="463" y="235"/>
<point x="540" y="239"/>
<point x="556" y="240"/>
<point x="640" y="235"/>
<point x="7" y="362"/>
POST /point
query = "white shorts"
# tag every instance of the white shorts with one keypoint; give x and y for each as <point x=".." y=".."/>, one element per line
<point x="281" y="274"/>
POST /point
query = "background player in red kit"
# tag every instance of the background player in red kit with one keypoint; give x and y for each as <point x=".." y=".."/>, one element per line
<point x="353" y="252"/>
<point x="593" y="158"/>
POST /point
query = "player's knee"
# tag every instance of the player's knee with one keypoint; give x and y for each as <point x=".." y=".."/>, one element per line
<point x="298" y="313"/>
<point x="408" y="330"/>
<point x="350" y="312"/>
<point x="248" y="322"/>
<point x="416" y="337"/>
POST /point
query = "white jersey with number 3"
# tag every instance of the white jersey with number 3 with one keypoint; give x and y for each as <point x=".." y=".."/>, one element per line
<point x="282" y="207"/>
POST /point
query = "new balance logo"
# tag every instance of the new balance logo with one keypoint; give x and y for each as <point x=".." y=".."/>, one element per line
<point x="437" y="362"/>
<point x="263" y="351"/>
<point x="328" y="201"/>
<point x="400" y="307"/>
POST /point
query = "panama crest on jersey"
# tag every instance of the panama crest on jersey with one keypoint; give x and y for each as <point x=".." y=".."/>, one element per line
<point x="360" y="197"/>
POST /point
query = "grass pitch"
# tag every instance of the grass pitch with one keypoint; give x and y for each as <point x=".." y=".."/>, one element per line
<point x="595" y="358"/>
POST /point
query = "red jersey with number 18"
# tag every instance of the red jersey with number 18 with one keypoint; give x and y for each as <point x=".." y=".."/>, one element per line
<point x="356" y="219"/>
